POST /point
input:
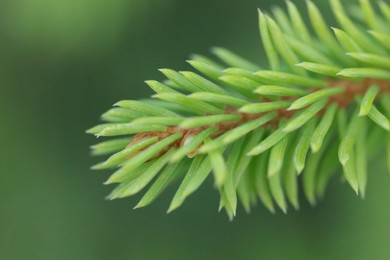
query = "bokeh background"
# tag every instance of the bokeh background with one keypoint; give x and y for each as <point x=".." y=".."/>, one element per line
<point x="63" y="63"/>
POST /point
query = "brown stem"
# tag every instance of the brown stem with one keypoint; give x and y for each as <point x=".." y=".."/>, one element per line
<point x="343" y="100"/>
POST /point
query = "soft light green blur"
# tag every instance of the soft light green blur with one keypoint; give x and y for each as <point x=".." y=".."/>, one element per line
<point x="62" y="63"/>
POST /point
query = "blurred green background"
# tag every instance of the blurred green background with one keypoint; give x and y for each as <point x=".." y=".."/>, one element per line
<point x="62" y="63"/>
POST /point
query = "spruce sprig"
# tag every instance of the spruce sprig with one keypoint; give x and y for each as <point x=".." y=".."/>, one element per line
<point x="321" y="107"/>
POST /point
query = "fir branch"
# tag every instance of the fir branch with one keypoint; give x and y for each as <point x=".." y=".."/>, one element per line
<point x="322" y="107"/>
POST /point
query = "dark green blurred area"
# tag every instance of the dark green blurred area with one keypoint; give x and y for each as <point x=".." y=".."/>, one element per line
<point x="63" y="63"/>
